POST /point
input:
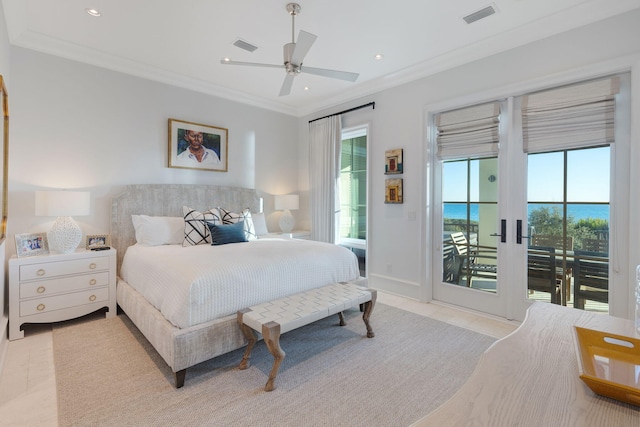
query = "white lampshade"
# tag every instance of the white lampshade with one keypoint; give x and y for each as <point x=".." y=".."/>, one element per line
<point x="63" y="203"/>
<point x="65" y="235"/>
<point x="286" y="203"/>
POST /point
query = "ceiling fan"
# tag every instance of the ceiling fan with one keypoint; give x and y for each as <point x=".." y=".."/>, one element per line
<point x="294" y="54"/>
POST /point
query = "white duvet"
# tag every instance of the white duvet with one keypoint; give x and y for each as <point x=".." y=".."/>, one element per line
<point x="196" y="284"/>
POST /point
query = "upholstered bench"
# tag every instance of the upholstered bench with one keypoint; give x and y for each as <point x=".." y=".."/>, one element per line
<point x="274" y="318"/>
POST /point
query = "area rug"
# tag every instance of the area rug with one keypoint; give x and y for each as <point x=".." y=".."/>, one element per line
<point x="108" y="375"/>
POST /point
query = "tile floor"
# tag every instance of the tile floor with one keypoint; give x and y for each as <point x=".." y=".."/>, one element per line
<point x="28" y="386"/>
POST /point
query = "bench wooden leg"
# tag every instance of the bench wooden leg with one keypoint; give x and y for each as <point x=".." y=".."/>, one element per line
<point x="368" y="309"/>
<point x="271" y="336"/>
<point x="250" y="335"/>
<point x="341" y="316"/>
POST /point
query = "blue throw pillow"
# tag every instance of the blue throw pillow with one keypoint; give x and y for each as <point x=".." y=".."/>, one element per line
<point x="227" y="233"/>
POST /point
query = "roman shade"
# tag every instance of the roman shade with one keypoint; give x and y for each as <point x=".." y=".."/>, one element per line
<point x="575" y="116"/>
<point x="468" y="132"/>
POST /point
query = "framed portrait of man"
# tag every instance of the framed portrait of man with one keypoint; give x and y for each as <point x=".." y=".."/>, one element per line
<point x="197" y="146"/>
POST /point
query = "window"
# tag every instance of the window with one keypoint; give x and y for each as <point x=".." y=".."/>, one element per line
<point x="353" y="192"/>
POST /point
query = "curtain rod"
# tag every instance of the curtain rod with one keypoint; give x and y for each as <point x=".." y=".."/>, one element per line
<point x="371" y="104"/>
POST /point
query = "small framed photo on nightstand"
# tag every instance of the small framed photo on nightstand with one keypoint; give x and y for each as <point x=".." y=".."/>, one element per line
<point x="31" y="244"/>
<point x="98" y="241"/>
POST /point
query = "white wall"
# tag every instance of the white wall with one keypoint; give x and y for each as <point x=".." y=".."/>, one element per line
<point x="397" y="256"/>
<point x="78" y="126"/>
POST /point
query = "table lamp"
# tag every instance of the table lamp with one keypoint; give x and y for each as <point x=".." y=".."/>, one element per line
<point x="65" y="235"/>
<point x="286" y="203"/>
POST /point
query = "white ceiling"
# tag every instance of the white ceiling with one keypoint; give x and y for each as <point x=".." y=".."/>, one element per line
<point x="181" y="42"/>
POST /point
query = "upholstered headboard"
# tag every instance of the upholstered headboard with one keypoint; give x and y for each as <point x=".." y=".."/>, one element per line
<point x="168" y="200"/>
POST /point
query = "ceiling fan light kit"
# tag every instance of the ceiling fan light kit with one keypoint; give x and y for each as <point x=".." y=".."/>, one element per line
<point x="294" y="54"/>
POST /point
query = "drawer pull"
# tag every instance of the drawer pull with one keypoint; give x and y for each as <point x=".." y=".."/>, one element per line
<point x="93" y="282"/>
<point x="92" y="298"/>
<point x="40" y="307"/>
<point x="92" y="265"/>
<point x="40" y="272"/>
<point x="40" y="289"/>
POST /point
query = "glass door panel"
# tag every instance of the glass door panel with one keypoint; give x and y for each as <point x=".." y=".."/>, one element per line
<point x="470" y="215"/>
<point x="568" y="227"/>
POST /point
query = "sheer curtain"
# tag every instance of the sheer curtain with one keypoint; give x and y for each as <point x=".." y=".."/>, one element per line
<point x="325" y="137"/>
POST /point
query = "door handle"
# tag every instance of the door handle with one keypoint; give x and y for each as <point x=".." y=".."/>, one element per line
<point x="519" y="235"/>
<point x="503" y="231"/>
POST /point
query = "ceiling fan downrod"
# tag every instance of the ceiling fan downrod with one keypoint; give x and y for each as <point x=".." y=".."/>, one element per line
<point x="293" y="9"/>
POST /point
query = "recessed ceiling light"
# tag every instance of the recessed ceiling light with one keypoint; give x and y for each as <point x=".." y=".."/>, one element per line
<point x="379" y="56"/>
<point x="93" y="12"/>
<point x="306" y="88"/>
<point x="225" y="59"/>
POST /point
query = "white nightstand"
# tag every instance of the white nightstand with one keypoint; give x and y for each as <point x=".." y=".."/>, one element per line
<point x="55" y="287"/>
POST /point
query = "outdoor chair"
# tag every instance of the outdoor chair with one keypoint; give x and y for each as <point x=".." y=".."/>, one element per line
<point x="466" y="260"/>
<point x="556" y="242"/>
<point x="590" y="278"/>
<point x="596" y="245"/>
<point x="545" y="241"/>
<point x="541" y="272"/>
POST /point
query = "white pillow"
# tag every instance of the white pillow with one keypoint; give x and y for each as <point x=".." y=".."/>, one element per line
<point x="158" y="230"/>
<point x="259" y="223"/>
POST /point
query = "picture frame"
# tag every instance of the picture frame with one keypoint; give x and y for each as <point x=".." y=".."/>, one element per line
<point x="31" y="244"/>
<point x="4" y="161"/>
<point x="97" y="241"/>
<point x="393" y="161"/>
<point x="211" y="143"/>
<point x="393" y="191"/>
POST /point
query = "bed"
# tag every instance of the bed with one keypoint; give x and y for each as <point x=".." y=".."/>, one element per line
<point x="214" y="281"/>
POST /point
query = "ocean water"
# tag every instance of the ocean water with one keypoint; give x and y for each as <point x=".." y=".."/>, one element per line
<point x="577" y="211"/>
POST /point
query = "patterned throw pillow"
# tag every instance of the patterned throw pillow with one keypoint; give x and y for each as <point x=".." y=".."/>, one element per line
<point x="232" y="218"/>
<point x="196" y="231"/>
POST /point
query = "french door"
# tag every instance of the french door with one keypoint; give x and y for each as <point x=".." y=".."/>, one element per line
<point x="536" y="220"/>
<point x="563" y="236"/>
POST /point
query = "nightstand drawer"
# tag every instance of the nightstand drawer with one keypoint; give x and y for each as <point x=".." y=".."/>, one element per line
<point x="59" y="285"/>
<point x="61" y="268"/>
<point x="44" y="305"/>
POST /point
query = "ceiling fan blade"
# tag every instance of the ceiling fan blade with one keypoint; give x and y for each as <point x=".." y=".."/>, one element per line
<point x="304" y="43"/>
<point x="286" y="85"/>
<point x="334" y="74"/>
<point x="251" y="64"/>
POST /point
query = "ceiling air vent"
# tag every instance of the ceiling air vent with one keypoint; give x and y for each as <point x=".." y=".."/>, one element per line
<point x="244" y="45"/>
<point x="480" y="14"/>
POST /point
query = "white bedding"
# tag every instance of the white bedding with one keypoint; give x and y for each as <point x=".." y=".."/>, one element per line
<point x="195" y="284"/>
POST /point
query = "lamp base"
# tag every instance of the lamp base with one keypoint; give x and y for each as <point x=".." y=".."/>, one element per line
<point x="286" y="221"/>
<point x="65" y="235"/>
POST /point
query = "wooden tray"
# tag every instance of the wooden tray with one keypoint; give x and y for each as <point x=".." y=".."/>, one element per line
<point x="609" y="364"/>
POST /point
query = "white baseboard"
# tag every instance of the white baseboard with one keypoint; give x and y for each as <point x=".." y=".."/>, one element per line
<point x="394" y="286"/>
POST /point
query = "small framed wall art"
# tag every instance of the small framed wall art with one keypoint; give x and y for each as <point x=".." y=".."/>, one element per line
<point x="393" y="190"/>
<point x="393" y="161"/>
<point x="197" y="146"/>
<point x="31" y="244"/>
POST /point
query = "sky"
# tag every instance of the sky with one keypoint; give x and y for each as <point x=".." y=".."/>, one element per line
<point x="587" y="177"/>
